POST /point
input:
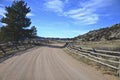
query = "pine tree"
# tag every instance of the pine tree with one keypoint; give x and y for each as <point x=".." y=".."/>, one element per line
<point x="16" y="20"/>
<point x="34" y="31"/>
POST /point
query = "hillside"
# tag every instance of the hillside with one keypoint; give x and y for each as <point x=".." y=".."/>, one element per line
<point x="108" y="33"/>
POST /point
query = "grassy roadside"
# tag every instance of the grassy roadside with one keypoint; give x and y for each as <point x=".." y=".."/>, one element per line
<point x="113" y="45"/>
<point x="11" y="52"/>
<point x="103" y="69"/>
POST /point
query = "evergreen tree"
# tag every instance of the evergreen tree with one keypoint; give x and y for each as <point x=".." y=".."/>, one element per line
<point x="16" y="20"/>
<point x="34" y="31"/>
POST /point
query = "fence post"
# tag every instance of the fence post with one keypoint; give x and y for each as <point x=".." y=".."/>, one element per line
<point x="4" y="52"/>
<point x="119" y="70"/>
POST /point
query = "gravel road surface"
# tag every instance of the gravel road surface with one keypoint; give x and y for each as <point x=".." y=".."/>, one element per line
<point x="46" y="63"/>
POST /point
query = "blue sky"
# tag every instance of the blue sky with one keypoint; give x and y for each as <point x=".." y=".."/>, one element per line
<point x="69" y="18"/>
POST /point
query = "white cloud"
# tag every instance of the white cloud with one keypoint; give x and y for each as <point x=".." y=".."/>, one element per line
<point x="3" y="24"/>
<point x="86" y="14"/>
<point x="2" y="11"/>
<point x="90" y="19"/>
<point x="30" y="15"/>
<point x="54" y="5"/>
<point x="95" y="4"/>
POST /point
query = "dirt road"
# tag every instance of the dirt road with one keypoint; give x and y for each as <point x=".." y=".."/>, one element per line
<point x="46" y="63"/>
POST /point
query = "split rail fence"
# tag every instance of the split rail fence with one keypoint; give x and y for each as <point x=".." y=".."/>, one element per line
<point x="109" y="59"/>
<point x="9" y="48"/>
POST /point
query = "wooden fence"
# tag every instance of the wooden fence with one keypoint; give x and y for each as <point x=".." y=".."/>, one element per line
<point x="109" y="59"/>
<point x="10" y="48"/>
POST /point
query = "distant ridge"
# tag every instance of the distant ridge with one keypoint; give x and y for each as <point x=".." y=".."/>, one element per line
<point x="108" y="33"/>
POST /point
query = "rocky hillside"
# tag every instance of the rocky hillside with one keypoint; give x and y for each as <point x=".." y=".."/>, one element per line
<point x="108" y="33"/>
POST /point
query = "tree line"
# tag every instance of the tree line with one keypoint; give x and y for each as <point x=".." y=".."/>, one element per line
<point x="17" y="24"/>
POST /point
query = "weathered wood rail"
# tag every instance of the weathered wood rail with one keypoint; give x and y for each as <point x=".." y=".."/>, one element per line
<point x="10" y="47"/>
<point x="109" y="59"/>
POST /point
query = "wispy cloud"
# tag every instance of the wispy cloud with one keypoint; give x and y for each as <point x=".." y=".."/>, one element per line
<point x="3" y="24"/>
<point x="2" y="11"/>
<point x="30" y="15"/>
<point x="54" y="5"/>
<point x="85" y="14"/>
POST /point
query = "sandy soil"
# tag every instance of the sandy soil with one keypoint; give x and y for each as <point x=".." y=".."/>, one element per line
<point x="47" y="63"/>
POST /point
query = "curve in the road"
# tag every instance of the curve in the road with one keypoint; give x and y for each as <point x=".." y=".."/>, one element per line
<point x="46" y="63"/>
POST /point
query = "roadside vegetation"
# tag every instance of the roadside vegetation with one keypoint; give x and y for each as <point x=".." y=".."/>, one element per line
<point x="111" y="45"/>
<point x="108" y="33"/>
<point x="16" y="32"/>
<point x="105" y="39"/>
<point x="17" y="23"/>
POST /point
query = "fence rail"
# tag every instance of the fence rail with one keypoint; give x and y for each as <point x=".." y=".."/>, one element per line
<point x="109" y="59"/>
<point x="10" y="47"/>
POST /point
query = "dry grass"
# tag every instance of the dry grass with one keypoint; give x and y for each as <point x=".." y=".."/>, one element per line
<point x="113" y="45"/>
<point x="101" y="68"/>
<point x="11" y="50"/>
